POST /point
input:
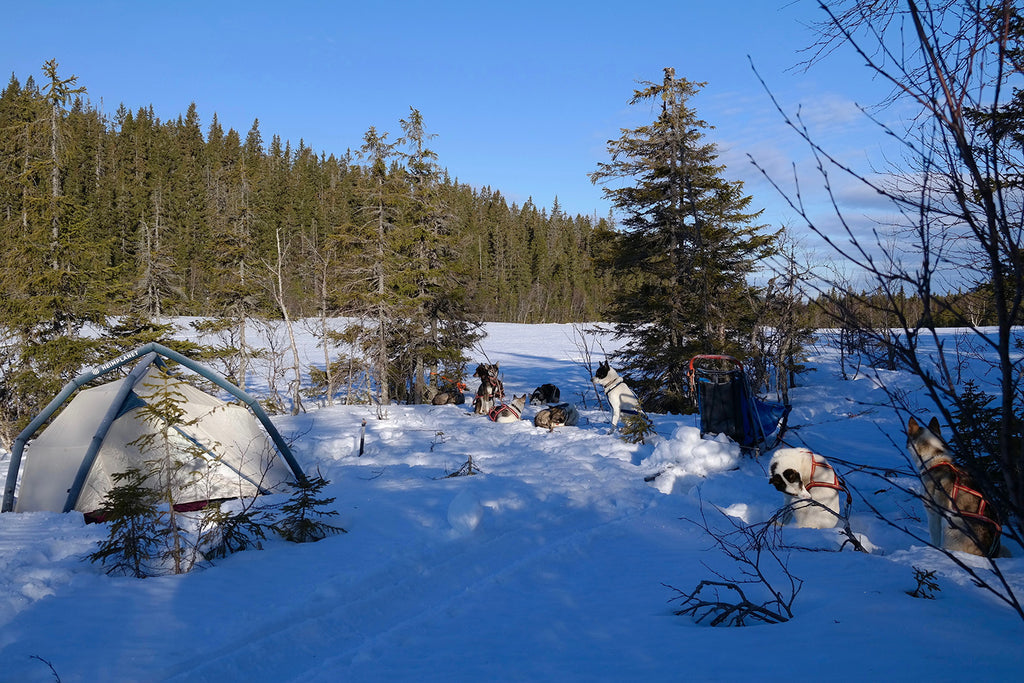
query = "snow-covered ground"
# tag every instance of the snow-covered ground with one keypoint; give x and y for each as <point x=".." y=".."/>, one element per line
<point x="555" y="563"/>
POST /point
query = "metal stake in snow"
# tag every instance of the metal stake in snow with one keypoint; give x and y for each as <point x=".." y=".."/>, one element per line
<point x="362" y="437"/>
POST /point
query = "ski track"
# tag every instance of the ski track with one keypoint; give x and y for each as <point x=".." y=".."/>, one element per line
<point x="389" y="602"/>
<point x="356" y="622"/>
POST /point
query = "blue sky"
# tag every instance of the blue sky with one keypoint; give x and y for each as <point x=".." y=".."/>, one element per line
<point x="521" y="96"/>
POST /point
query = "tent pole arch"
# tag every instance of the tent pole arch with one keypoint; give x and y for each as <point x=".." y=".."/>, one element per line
<point x="101" y="431"/>
<point x="90" y="374"/>
<point x="19" y="442"/>
<point x="242" y="396"/>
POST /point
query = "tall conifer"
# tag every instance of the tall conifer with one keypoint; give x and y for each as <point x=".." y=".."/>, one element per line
<point x="383" y="198"/>
<point x="440" y="326"/>
<point x="688" y="243"/>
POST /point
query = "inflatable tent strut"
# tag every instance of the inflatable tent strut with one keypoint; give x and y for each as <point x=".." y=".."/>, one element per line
<point x="93" y="373"/>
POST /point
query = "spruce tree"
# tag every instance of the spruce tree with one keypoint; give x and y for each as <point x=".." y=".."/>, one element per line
<point x="305" y="516"/>
<point x="130" y="509"/>
<point x="440" y="326"/>
<point x="383" y="197"/>
<point x="48" y="286"/>
<point x="175" y="462"/>
<point x="688" y="242"/>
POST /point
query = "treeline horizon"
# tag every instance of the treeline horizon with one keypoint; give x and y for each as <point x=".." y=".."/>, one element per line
<point x="162" y="218"/>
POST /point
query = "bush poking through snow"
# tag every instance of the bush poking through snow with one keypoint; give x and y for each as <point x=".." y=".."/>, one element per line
<point x="731" y="609"/>
<point x="130" y="508"/>
<point x="234" y="531"/>
<point x="305" y="513"/>
<point x="636" y="428"/>
<point x="754" y="549"/>
<point x="467" y="469"/>
<point x="927" y="585"/>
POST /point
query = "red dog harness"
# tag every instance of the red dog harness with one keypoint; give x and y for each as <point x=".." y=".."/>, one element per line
<point x="503" y="408"/>
<point x="982" y="514"/>
<point x="497" y="389"/>
<point x="836" y="482"/>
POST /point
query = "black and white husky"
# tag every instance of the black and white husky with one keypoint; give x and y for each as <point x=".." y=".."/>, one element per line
<point x="545" y="393"/>
<point x="620" y="396"/>
<point x="804" y="476"/>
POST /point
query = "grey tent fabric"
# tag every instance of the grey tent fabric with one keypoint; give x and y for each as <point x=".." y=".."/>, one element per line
<point x="219" y="450"/>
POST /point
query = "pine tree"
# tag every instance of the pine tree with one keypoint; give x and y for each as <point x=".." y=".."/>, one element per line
<point x="688" y="243"/>
<point x="174" y="462"/>
<point x="187" y="200"/>
<point x="48" y="289"/>
<point x="58" y="95"/>
<point x="304" y="520"/>
<point x="439" y="326"/>
<point x="130" y="508"/>
<point x="383" y="199"/>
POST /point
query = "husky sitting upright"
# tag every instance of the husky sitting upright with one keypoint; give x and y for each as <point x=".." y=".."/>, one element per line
<point x="490" y="388"/>
<point x="509" y="412"/>
<point x="804" y="476"/>
<point x="620" y="396"/>
<point x="959" y="517"/>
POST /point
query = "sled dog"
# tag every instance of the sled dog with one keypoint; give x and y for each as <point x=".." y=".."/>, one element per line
<point x="509" y="412"/>
<point x="802" y="475"/>
<point x="620" y="396"/>
<point x="959" y="516"/>
<point x="545" y="393"/>
<point x="559" y="415"/>
<point x="451" y="394"/>
<point x="490" y="389"/>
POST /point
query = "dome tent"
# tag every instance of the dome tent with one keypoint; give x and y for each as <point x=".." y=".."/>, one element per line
<point x="110" y="428"/>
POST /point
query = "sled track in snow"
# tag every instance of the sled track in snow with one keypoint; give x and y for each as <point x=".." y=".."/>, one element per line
<point x="343" y="624"/>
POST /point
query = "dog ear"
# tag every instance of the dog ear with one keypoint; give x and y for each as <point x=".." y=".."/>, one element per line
<point x="933" y="426"/>
<point x="913" y="429"/>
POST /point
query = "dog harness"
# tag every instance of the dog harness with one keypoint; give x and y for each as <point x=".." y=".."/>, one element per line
<point x="836" y="482"/>
<point x="504" y="408"/>
<point x="624" y="411"/>
<point x="958" y="487"/>
<point x="496" y="387"/>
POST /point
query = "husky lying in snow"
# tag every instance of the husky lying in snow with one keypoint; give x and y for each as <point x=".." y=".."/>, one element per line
<point x="620" y="396"/>
<point x="451" y="394"/>
<point x="561" y="415"/>
<point x="959" y="517"/>
<point x="545" y="393"/>
<point x="803" y="475"/>
<point x="509" y="412"/>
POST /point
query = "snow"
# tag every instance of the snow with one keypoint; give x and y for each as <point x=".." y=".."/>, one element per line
<point x="554" y="563"/>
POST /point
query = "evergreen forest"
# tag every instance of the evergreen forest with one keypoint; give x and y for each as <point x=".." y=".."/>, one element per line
<point x="120" y="224"/>
<point x="171" y="218"/>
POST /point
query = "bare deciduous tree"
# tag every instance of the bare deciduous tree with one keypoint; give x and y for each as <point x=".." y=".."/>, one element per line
<point x="956" y="200"/>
